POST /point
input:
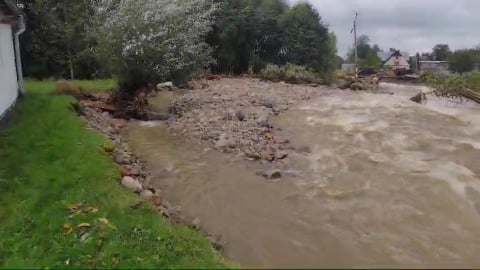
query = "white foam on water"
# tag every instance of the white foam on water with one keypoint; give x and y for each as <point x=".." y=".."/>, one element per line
<point x="456" y="176"/>
<point x="149" y="124"/>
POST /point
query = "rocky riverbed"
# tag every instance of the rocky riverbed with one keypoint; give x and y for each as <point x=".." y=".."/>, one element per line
<point x="135" y="176"/>
<point x="235" y="115"/>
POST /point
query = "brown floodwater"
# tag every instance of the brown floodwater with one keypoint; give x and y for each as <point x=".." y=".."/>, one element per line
<point x="388" y="183"/>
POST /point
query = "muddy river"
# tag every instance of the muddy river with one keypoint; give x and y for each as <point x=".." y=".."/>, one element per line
<point x="387" y="183"/>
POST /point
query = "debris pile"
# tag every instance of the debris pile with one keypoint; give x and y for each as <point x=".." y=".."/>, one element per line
<point x="236" y="115"/>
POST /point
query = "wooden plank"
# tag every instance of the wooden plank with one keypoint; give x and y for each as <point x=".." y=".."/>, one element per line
<point x="470" y="94"/>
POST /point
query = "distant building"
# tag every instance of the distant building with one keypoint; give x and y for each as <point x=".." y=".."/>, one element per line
<point x="394" y="59"/>
<point x="436" y="67"/>
<point x="427" y="57"/>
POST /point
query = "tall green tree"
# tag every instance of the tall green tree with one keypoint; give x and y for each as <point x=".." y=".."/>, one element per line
<point x="363" y="47"/>
<point x="146" y="41"/>
<point x="441" y="52"/>
<point x="462" y="61"/>
<point x="306" y="40"/>
<point x="58" y="40"/>
<point x="246" y="32"/>
<point x="367" y="54"/>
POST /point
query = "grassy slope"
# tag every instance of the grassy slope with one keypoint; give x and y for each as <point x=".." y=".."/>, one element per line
<point x="49" y="162"/>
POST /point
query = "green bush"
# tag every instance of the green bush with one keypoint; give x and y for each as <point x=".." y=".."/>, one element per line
<point x="272" y="73"/>
<point x="473" y="81"/>
<point x="152" y="41"/>
<point x="445" y="85"/>
<point x="290" y="73"/>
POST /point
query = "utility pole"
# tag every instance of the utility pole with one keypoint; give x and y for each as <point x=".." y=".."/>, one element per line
<point x="354" y="30"/>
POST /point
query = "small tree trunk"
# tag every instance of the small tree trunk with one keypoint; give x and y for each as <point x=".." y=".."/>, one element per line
<point x="70" y="63"/>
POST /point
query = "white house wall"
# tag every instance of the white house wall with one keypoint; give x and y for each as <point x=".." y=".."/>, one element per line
<point x="397" y="62"/>
<point x="8" y="74"/>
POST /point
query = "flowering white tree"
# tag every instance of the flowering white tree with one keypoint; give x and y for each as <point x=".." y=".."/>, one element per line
<point x="154" y="40"/>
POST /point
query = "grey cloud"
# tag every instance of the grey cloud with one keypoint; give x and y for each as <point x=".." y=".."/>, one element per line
<point x="408" y="25"/>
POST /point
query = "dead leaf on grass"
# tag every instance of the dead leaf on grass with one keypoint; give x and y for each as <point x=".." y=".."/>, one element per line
<point x="68" y="227"/>
<point x="76" y="207"/>
<point x="92" y="209"/>
<point x="104" y="220"/>
<point x="85" y="237"/>
<point x="83" y="225"/>
<point x="107" y="222"/>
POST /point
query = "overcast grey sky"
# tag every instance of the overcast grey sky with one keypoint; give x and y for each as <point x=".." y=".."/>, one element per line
<point x="408" y="25"/>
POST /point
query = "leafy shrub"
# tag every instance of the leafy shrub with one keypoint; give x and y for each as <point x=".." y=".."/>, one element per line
<point x="445" y="85"/>
<point x="473" y="81"/>
<point x="290" y="73"/>
<point x="149" y="41"/>
<point x="272" y="73"/>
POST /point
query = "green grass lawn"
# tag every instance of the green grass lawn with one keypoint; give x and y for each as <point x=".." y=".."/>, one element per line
<point x="42" y="87"/>
<point x="62" y="206"/>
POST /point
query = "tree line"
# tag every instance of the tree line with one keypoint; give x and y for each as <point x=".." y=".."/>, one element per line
<point x="460" y="61"/>
<point x="140" y="41"/>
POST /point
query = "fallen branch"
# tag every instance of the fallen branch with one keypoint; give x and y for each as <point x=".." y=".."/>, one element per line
<point x="470" y="94"/>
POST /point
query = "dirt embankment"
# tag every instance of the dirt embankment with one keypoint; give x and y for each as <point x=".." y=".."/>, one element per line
<point x="235" y="115"/>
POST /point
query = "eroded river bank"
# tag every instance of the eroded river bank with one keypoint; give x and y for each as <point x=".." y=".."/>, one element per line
<point x="368" y="179"/>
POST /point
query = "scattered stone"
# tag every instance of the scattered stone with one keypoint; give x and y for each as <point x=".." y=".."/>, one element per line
<point x="120" y="123"/>
<point x="224" y="142"/>
<point x="358" y="86"/>
<point x="281" y="155"/>
<point x="124" y="171"/>
<point x="131" y="184"/>
<point x="165" y="86"/>
<point x="269" y="104"/>
<point x="136" y="170"/>
<point x="240" y="115"/>
<point x="276" y="111"/>
<point x="241" y="108"/>
<point x="121" y="158"/>
<point x="196" y="224"/>
<point x="227" y="116"/>
<point x="419" y="98"/>
<point x="271" y="174"/>
<point x="252" y="155"/>
<point x="216" y="241"/>
<point x="157" y="199"/>
<point x="265" y="123"/>
<point x="147" y="194"/>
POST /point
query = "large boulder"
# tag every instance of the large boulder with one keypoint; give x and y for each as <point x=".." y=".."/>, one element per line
<point x="419" y="98"/>
<point x="165" y="86"/>
<point x="132" y="184"/>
